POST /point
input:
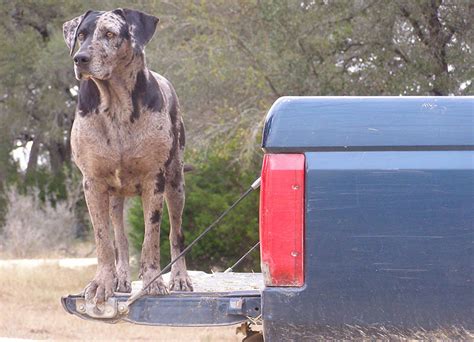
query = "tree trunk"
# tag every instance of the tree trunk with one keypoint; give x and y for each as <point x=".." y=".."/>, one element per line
<point x="33" y="158"/>
<point x="59" y="154"/>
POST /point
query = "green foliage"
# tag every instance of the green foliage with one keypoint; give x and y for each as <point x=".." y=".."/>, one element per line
<point x="229" y="61"/>
<point x="210" y="189"/>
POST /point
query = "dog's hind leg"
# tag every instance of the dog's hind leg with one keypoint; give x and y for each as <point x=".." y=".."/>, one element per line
<point x="121" y="244"/>
<point x="152" y="199"/>
<point x="174" y="195"/>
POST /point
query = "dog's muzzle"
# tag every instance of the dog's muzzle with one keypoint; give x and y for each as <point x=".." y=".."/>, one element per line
<point x="81" y="65"/>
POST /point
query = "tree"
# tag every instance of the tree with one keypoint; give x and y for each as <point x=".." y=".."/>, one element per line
<point x="37" y="106"/>
<point x="229" y="61"/>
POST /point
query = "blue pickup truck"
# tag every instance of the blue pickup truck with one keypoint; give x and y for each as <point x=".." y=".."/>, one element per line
<point x="366" y="225"/>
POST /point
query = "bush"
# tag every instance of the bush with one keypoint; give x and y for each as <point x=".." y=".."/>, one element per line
<point x="214" y="185"/>
<point x="34" y="227"/>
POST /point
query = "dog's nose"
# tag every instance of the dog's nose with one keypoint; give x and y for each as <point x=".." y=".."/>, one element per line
<point x="82" y="59"/>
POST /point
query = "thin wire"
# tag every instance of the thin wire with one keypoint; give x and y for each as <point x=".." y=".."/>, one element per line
<point x="255" y="185"/>
<point x="230" y="269"/>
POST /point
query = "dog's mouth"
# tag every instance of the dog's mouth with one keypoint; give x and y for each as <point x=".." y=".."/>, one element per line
<point x="81" y="74"/>
<point x="84" y="74"/>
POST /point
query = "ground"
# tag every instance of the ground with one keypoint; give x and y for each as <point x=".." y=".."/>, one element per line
<point x="31" y="309"/>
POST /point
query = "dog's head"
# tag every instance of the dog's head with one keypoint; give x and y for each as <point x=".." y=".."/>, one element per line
<point x="107" y="40"/>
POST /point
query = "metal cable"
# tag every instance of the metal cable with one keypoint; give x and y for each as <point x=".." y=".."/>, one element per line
<point x="255" y="185"/>
<point x="230" y="269"/>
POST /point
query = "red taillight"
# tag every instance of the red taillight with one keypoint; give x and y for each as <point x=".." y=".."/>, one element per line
<point x="282" y="219"/>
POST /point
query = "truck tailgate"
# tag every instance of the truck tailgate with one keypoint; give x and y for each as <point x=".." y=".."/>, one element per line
<point x="220" y="299"/>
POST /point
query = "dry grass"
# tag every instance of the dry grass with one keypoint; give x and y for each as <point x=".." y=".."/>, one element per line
<point x="30" y="308"/>
<point x="33" y="226"/>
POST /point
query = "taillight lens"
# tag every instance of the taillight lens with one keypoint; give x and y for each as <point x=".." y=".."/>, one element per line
<point x="282" y="219"/>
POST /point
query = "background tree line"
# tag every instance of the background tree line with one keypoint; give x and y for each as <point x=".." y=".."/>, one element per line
<point x="229" y="61"/>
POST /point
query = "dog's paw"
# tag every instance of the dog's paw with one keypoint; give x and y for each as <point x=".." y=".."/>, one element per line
<point x="123" y="279"/>
<point x="180" y="281"/>
<point x="102" y="286"/>
<point x="157" y="287"/>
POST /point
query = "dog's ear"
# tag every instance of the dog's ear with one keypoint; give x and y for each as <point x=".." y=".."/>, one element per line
<point x="142" y="26"/>
<point x="70" y="31"/>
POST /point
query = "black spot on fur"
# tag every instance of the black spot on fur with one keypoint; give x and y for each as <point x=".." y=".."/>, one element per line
<point x="124" y="32"/>
<point x="181" y="242"/>
<point x="155" y="217"/>
<point x="160" y="183"/>
<point x="88" y="26"/>
<point x="108" y="141"/>
<point x="174" y="148"/>
<point x="173" y="109"/>
<point x="182" y="137"/>
<point x="89" y="97"/>
<point x="154" y="99"/>
<point x="174" y="183"/>
<point x="100" y="234"/>
<point x="145" y="26"/>
<point x="138" y="189"/>
<point x="146" y="93"/>
<point x="110" y="189"/>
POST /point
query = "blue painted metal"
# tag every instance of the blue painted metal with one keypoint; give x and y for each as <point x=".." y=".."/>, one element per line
<point x="389" y="241"/>
<point x="296" y="124"/>
<point x="389" y="230"/>
<point x="182" y="309"/>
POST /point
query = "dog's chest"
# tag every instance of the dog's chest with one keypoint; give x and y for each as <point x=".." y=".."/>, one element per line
<point x="120" y="151"/>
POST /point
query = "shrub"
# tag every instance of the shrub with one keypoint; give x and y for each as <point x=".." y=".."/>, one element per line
<point x="33" y="227"/>
<point x="213" y="186"/>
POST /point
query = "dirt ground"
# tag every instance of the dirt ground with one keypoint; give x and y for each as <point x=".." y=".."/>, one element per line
<point x="30" y="308"/>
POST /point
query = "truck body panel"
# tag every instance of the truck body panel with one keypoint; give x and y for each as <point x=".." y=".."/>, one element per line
<point x="311" y="123"/>
<point x="384" y="245"/>
<point x="389" y="216"/>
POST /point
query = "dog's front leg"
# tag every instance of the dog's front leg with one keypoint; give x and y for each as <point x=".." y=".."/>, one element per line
<point x="121" y="244"/>
<point x="152" y="199"/>
<point x="105" y="279"/>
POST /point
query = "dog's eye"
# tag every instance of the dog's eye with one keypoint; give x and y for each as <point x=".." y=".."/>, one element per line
<point x="80" y="36"/>
<point x="110" y="35"/>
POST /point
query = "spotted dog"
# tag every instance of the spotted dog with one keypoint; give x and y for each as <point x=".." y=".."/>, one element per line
<point x="127" y="139"/>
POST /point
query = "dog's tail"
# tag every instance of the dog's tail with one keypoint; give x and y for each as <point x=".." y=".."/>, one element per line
<point x="188" y="168"/>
